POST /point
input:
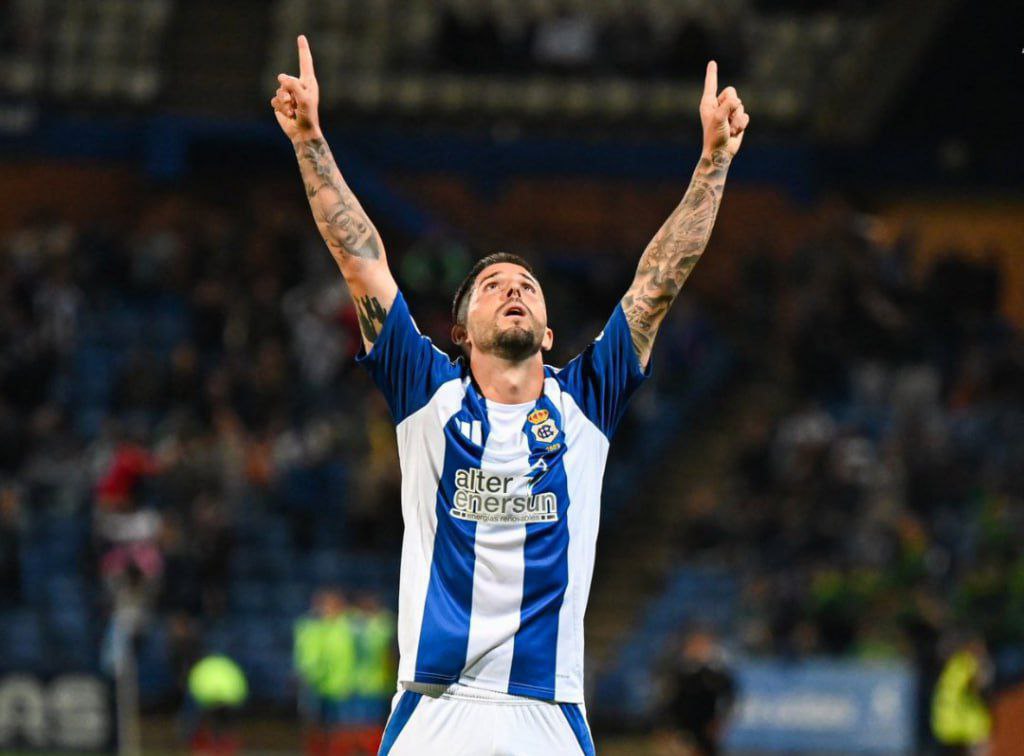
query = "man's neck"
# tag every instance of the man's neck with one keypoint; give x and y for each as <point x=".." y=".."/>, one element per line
<point x="508" y="382"/>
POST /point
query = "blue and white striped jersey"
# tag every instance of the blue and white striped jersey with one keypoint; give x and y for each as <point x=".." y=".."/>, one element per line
<point x="501" y="506"/>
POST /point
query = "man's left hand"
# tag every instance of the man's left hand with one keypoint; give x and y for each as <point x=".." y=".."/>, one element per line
<point x="722" y="115"/>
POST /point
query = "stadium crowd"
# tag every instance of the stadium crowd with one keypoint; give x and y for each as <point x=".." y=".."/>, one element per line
<point x="575" y="41"/>
<point x="166" y="380"/>
<point x="185" y="438"/>
<point x="178" y="389"/>
<point x="872" y="505"/>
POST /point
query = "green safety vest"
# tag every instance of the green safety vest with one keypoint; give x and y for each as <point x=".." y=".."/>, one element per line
<point x="325" y="655"/>
<point x="376" y="676"/>
<point x="306" y="651"/>
<point x="959" y="715"/>
<point x="217" y="681"/>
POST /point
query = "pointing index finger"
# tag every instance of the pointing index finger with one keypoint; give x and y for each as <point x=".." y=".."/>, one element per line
<point x="711" y="81"/>
<point x="305" y="59"/>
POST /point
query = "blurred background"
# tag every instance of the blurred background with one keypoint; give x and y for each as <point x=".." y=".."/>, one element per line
<point x="813" y="518"/>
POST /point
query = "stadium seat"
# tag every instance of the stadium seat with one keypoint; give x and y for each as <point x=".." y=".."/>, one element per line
<point x="249" y="596"/>
<point x="291" y="598"/>
<point x="24" y="644"/>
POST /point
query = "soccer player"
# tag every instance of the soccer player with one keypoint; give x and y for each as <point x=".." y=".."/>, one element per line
<point x="502" y="456"/>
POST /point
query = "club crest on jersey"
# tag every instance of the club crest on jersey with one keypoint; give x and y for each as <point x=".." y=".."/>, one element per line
<point x="546" y="431"/>
<point x="537" y="416"/>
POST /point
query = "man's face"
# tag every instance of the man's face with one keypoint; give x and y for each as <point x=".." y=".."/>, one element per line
<point x="329" y="604"/>
<point x="507" y="315"/>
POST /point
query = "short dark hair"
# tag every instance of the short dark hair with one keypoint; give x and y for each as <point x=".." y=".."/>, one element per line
<point x="460" y="305"/>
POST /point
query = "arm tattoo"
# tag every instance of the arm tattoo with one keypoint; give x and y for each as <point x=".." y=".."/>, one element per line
<point x="673" y="253"/>
<point x="339" y="216"/>
<point x="372" y="315"/>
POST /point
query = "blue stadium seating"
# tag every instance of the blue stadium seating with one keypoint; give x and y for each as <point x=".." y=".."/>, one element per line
<point x="73" y="642"/>
<point x="250" y="597"/>
<point x="692" y="596"/>
<point x="23" y="641"/>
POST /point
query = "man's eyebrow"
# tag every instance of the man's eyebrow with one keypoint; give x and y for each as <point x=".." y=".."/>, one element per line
<point x="499" y="272"/>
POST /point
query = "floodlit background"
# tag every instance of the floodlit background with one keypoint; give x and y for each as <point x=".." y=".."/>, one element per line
<point x="817" y="502"/>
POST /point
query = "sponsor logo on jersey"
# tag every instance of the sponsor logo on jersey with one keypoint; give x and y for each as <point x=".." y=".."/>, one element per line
<point x="487" y="497"/>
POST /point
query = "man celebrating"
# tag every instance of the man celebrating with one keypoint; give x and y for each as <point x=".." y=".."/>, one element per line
<point x="502" y="456"/>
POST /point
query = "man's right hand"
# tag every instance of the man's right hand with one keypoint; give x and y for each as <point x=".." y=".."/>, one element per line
<point x="345" y="227"/>
<point x="296" y="100"/>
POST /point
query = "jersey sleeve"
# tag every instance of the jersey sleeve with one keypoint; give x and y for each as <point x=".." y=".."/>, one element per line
<point x="604" y="376"/>
<point x="405" y="364"/>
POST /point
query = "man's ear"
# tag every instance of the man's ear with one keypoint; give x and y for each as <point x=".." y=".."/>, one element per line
<point x="459" y="335"/>
<point x="548" y="341"/>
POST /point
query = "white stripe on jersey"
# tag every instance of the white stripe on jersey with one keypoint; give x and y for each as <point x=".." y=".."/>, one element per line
<point x="498" y="577"/>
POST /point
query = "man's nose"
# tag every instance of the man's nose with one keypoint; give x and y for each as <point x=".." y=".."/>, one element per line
<point x="514" y="288"/>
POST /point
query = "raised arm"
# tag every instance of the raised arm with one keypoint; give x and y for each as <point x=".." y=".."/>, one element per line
<point x="350" y="236"/>
<point x="679" y="243"/>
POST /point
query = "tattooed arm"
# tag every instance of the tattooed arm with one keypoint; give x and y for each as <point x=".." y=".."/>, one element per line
<point x="349" y="234"/>
<point x="679" y="243"/>
<point x="673" y="253"/>
<point x="342" y="221"/>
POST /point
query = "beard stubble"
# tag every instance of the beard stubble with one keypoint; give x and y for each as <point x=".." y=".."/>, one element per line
<point x="516" y="344"/>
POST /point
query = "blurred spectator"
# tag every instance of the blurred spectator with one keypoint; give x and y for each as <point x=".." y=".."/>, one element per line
<point x="213" y="544"/>
<point x="326" y="665"/>
<point x="377" y="484"/>
<point x="375" y="669"/>
<point x="126" y="528"/>
<point x="184" y="650"/>
<point x="217" y="692"/>
<point x="700" y="695"/>
<point x="961" y="720"/>
<point x="566" y="41"/>
<point x="322" y="347"/>
<point x="10" y="522"/>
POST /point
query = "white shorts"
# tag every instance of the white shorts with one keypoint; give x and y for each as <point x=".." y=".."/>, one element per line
<point x="472" y="722"/>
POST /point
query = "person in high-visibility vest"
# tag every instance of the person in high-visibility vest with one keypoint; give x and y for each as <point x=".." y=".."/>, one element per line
<point x="217" y="690"/>
<point x="325" y="661"/>
<point x="961" y="720"/>
<point x="375" y="670"/>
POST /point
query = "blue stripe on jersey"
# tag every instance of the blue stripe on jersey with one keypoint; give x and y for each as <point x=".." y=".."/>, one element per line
<point x="444" y="634"/>
<point x="405" y="364"/>
<point x="578" y="723"/>
<point x="603" y="376"/>
<point x="398" y="720"/>
<point x="546" y="559"/>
